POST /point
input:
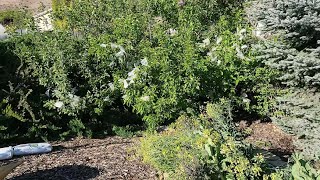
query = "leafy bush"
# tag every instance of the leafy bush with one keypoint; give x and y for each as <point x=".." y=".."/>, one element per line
<point x="26" y="88"/>
<point x="5" y="116"/>
<point x="11" y="17"/>
<point x="9" y="80"/>
<point x="59" y="4"/>
<point x="58" y="7"/>
<point x="198" y="148"/>
<point x="158" y="59"/>
<point x="153" y="57"/>
<point x="175" y="153"/>
<point x="23" y="113"/>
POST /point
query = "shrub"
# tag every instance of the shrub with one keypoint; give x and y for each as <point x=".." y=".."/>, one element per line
<point x="158" y="59"/>
<point x="10" y="68"/>
<point x="63" y="80"/>
<point x="299" y="68"/>
<point x="11" y="17"/>
<point x="58" y="7"/>
<point x="59" y="4"/>
<point x="197" y="148"/>
<point x="191" y="73"/>
<point x="6" y="116"/>
<point x="126" y="132"/>
<point x="23" y="113"/>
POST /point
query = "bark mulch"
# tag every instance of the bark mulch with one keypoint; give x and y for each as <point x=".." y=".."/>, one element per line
<point x="83" y="159"/>
<point x="32" y="5"/>
<point x="270" y="140"/>
<point x="270" y="137"/>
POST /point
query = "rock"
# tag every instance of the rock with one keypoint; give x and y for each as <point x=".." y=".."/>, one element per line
<point x="273" y="160"/>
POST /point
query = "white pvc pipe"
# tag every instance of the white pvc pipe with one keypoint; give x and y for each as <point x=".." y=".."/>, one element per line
<point x="6" y="153"/>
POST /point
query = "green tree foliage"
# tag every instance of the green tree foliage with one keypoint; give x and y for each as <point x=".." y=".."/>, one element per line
<point x="291" y="45"/>
<point x="298" y="114"/>
<point x="58" y="7"/>
<point x="296" y="23"/>
<point x="155" y="58"/>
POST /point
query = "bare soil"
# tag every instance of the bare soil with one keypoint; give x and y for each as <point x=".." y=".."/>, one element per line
<point x="83" y="159"/>
<point x="32" y="5"/>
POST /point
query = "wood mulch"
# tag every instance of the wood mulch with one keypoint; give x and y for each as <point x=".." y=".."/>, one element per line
<point x="31" y="5"/>
<point x="270" y="137"/>
<point x="269" y="140"/>
<point x="83" y="159"/>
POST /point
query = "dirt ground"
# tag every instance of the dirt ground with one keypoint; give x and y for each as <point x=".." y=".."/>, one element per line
<point x="268" y="132"/>
<point x="84" y="159"/>
<point x="32" y="5"/>
<point x="268" y="136"/>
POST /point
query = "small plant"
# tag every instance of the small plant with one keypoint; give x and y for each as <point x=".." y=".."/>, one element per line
<point x="302" y="169"/>
<point x="15" y="19"/>
<point x="125" y="132"/>
<point x="10" y="17"/>
<point x="58" y="7"/>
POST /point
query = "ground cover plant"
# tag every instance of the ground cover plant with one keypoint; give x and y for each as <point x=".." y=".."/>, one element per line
<point x="204" y="147"/>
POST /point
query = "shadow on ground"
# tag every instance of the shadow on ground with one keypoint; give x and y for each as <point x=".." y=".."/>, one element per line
<point x="72" y="172"/>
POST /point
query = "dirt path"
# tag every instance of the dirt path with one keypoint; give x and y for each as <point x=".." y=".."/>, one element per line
<point x="32" y="5"/>
<point x="84" y="159"/>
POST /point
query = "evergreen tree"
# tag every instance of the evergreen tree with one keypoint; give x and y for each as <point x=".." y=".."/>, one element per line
<point x="299" y="114"/>
<point x="290" y="33"/>
<point x="296" y="25"/>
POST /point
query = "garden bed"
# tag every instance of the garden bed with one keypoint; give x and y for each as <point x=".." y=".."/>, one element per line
<point x="83" y="159"/>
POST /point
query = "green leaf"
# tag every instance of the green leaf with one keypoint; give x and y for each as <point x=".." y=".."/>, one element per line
<point x="207" y="147"/>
